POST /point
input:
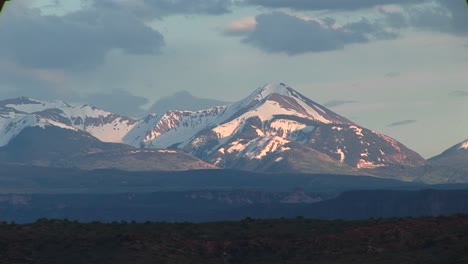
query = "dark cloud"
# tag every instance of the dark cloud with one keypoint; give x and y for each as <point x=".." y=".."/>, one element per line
<point x="448" y="16"/>
<point x="326" y="4"/>
<point x="75" y="41"/>
<point x="118" y="101"/>
<point x="334" y="103"/>
<point x="402" y="123"/>
<point x="280" y="32"/>
<point x="458" y="19"/>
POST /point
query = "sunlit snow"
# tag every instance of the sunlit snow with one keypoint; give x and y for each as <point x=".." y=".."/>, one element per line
<point x="464" y="145"/>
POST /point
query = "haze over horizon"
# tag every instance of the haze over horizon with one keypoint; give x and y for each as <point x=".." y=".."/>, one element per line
<point x="398" y="68"/>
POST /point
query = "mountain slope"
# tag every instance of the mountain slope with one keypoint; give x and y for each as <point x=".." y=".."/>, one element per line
<point x="56" y="147"/>
<point x="274" y="129"/>
<point x="17" y="114"/>
<point x="455" y="157"/>
<point x="274" y="124"/>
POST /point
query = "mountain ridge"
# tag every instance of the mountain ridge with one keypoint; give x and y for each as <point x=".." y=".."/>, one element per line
<point x="455" y="156"/>
<point x="274" y="129"/>
<point x="264" y="123"/>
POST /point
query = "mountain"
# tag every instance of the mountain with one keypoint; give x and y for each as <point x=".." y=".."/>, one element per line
<point x="455" y="157"/>
<point x="56" y="147"/>
<point x="17" y="114"/>
<point x="183" y="100"/>
<point x="274" y="129"/>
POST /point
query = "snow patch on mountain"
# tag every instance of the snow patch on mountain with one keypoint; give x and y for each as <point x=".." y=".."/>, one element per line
<point x="272" y="88"/>
<point x="257" y="148"/>
<point x="19" y="113"/>
<point x="261" y="147"/>
<point x="29" y="105"/>
<point x="464" y="145"/>
<point x="278" y="159"/>
<point x="364" y="164"/>
<point x="342" y="154"/>
<point x="230" y="128"/>
<point x="10" y="128"/>
<point x="178" y="127"/>
<point x="357" y="130"/>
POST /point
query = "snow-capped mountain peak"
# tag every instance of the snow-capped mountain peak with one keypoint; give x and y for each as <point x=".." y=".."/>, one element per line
<point x="19" y="113"/>
<point x="266" y="123"/>
<point x="464" y="145"/>
<point x="273" y="124"/>
<point x="272" y="88"/>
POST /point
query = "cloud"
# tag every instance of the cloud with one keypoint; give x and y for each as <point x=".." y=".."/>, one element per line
<point x="392" y="74"/>
<point x="40" y="83"/>
<point x="51" y="84"/>
<point x="161" y="8"/>
<point x="334" y="103"/>
<point x="459" y="93"/>
<point x="241" y="26"/>
<point x="402" y="123"/>
<point x="458" y="15"/>
<point x="117" y="101"/>
<point x="448" y="16"/>
<point x="183" y="100"/>
<point x="326" y="4"/>
<point x="281" y="32"/>
<point x="76" y="41"/>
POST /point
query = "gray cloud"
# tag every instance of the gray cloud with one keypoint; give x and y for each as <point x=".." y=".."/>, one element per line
<point x="402" y="123"/>
<point x="41" y="92"/>
<point x="326" y="4"/>
<point x="118" y="101"/>
<point x="458" y="19"/>
<point x="183" y="100"/>
<point x="76" y="41"/>
<point x="392" y="74"/>
<point x="37" y="89"/>
<point x="334" y="103"/>
<point x="459" y="93"/>
<point x="449" y="16"/>
<point x="212" y="7"/>
<point x="161" y="8"/>
<point x="47" y="84"/>
<point x="280" y="32"/>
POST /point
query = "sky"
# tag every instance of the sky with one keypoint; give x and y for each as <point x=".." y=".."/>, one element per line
<point x="399" y="67"/>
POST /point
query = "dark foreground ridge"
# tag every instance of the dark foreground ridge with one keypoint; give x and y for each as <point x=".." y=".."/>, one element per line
<point x="398" y="240"/>
<point x="209" y="206"/>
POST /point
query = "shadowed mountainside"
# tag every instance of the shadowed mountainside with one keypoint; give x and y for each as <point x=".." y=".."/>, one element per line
<point x="56" y="147"/>
<point x="202" y="206"/>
